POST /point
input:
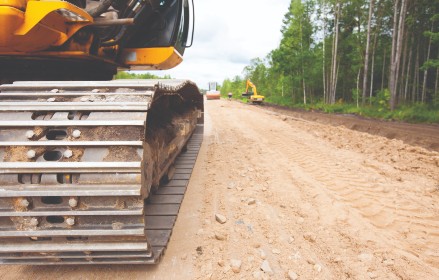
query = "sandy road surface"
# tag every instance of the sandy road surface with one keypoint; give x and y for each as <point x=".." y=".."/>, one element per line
<point x="300" y="197"/>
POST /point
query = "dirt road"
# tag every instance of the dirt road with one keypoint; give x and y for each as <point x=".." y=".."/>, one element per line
<point x="301" y="198"/>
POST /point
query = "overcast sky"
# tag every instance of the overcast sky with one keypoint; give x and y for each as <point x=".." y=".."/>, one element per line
<point x="228" y="34"/>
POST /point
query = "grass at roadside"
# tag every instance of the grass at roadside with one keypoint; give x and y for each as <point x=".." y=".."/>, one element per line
<point x="418" y="113"/>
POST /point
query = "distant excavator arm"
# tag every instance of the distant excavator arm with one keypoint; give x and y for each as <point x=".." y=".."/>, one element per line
<point x="252" y="86"/>
<point x="253" y="96"/>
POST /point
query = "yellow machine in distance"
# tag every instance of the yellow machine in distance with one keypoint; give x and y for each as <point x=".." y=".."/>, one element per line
<point x="253" y="95"/>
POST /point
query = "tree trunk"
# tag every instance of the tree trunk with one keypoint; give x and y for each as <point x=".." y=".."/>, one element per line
<point x="404" y="62"/>
<point x="395" y="59"/>
<point x="436" y="82"/>
<point x="366" y="58"/>
<point x="384" y="70"/>
<point x="416" y="78"/>
<point x="358" y="86"/>
<point x="409" y="66"/>
<point x="324" y="53"/>
<point x="375" y="41"/>
<point x="334" y="70"/>
<point x="424" y="82"/>
<point x="303" y="68"/>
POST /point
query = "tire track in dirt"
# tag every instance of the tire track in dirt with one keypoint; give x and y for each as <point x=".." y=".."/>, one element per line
<point x="381" y="207"/>
<point x="375" y="202"/>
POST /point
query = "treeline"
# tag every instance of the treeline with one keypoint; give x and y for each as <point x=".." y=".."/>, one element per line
<point x="367" y="53"/>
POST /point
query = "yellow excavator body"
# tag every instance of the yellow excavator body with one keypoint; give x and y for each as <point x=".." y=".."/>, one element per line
<point x="36" y="31"/>
<point x="253" y="95"/>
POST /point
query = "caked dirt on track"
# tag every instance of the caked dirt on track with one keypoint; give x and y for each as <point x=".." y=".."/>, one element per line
<point x="307" y="198"/>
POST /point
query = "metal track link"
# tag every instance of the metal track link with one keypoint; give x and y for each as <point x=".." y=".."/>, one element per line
<point x="77" y="160"/>
<point x="162" y="207"/>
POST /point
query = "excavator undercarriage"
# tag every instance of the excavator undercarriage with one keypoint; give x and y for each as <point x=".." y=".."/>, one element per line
<point x="92" y="172"/>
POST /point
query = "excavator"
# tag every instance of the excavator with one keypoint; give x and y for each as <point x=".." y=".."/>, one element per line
<point x="93" y="170"/>
<point x="253" y="95"/>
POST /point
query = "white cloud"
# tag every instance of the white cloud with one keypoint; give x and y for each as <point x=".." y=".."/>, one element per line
<point x="228" y="34"/>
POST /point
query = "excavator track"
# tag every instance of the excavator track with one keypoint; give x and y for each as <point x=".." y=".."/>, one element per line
<point x="94" y="172"/>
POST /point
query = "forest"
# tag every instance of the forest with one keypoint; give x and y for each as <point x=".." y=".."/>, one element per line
<point x="376" y="58"/>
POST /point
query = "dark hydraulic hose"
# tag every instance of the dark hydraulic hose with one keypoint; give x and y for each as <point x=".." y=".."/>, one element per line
<point x="100" y="9"/>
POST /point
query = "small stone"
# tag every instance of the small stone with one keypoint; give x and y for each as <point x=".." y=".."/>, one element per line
<point x="388" y="262"/>
<point x="220" y="218"/>
<point x="275" y="251"/>
<point x="221" y="263"/>
<point x="337" y="260"/>
<point x="310" y="237"/>
<point x="34" y="222"/>
<point x="55" y="90"/>
<point x="270" y="241"/>
<point x="372" y="275"/>
<point x="52" y="99"/>
<point x="262" y="254"/>
<point x="30" y="134"/>
<point x="220" y="236"/>
<point x="200" y="232"/>
<point x="68" y="153"/>
<point x="283" y="206"/>
<point x="236" y="265"/>
<point x="264" y="189"/>
<point x="300" y="220"/>
<point x="284" y="118"/>
<point x="199" y="250"/>
<point x="290" y="239"/>
<point x="76" y="133"/>
<point x="73" y="202"/>
<point x="24" y="202"/>
<point x="84" y="99"/>
<point x="95" y="90"/>
<point x="70" y="221"/>
<point x="292" y="275"/>
<point x="31" y="154"/>
<point x="184" y="257"/>
<point x="265" y="267"/>
<point x="318" y="267"/>
<point x="257" y="245"/>
<point x="311" y="261"/>
<point x="365" y="257"/>
<point x="251" y="201"/>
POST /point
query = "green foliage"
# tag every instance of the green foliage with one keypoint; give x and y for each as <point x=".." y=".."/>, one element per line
<point x="127" y="75"/>
<point x="381" y="100"/>
<point x="236" y="86"/>
<point x="279" y="100"/>
<point x="418" y="113"/>
<point x="304" y="56"/>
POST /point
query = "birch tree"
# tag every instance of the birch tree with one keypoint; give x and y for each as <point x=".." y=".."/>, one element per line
<point x="366" y="57"/>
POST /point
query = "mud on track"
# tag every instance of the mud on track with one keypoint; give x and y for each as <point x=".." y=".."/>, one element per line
<point x="322" y="201"/>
